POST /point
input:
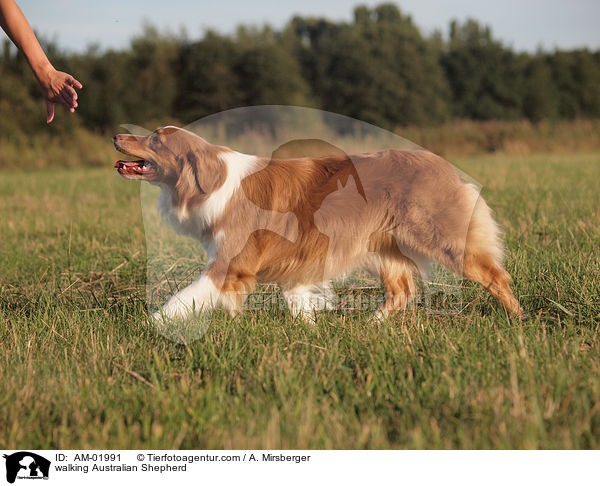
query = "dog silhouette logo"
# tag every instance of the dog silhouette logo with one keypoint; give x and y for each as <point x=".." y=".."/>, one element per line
<point x="26" y="465"/>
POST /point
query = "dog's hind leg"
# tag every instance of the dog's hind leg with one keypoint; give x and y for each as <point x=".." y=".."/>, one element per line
<point x="397" y="275"/>
<point x="482" y="261"/>
<point x="482" y="269"/>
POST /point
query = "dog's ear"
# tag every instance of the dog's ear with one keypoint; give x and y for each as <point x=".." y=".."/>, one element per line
<point x="209" y="170"/>
<point x="201" y="172"/>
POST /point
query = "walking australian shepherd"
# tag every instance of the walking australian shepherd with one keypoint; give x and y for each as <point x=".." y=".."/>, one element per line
<point x="300" y="219"/>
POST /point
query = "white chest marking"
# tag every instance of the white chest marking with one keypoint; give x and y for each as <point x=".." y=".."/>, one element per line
<point x="193" y="222"/>
<point x="238" y="166"/>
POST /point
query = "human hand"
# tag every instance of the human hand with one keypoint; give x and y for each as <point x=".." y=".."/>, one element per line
<point x="59" y="87"/>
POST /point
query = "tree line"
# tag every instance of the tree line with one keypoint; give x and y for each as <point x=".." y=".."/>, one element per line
<point x="378" y="68"/>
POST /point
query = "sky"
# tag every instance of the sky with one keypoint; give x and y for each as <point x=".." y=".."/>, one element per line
<point x="520" y="24"/>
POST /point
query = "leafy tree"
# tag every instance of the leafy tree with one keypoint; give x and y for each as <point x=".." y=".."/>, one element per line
<point x="207" y="82"/>
<point x="540" y="96"/>
<point x="377" y="67"/>
<point x="269" y="74"/>
<point x="577" y="76"/>
<point x="103" y="100"/>
<point x="485" y="78"/>
<point x="151" y="76"/>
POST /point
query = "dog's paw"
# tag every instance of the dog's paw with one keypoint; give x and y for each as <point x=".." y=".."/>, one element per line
<point x="521" y="315"/>
<point x="155" y="318"/>
<point x="167" y="315"/>
<point x="304" y="317"/>
<point x="380" y="315"/>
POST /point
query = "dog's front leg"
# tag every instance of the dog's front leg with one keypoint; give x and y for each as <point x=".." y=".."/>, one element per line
<point x="200" y="296"/>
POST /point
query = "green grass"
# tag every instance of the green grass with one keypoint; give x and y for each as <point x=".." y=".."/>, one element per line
<point x="78" y="369"/>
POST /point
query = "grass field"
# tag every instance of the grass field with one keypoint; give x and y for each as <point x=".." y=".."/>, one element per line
<point x="78" y="369"/>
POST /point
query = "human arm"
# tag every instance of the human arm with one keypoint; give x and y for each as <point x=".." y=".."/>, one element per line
<point x="57" y="86"/>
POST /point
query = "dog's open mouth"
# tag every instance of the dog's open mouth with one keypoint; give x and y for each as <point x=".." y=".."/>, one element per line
<point x="143" y="168"/>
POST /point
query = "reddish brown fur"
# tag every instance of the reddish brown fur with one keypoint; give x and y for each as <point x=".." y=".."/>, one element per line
<point x="406" y="207"/>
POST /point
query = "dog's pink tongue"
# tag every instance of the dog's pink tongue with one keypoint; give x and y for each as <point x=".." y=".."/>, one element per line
<point x="120" y="164"/>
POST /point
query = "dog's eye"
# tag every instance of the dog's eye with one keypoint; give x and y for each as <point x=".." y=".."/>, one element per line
<point x="154" y="140"/>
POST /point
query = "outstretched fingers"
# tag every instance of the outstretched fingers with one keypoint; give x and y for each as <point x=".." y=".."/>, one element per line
<point x="73" y="82"/>
<point x="61" y="89"/>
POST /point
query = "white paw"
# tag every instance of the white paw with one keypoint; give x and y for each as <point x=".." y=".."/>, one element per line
<point x="380" y="315"/>
<point x="305" y="316"/>
<point x="170" y="312"/>
<point x="156" y="318"/>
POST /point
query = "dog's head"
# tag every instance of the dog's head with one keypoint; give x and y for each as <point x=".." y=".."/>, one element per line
<point x="175" y="157"/>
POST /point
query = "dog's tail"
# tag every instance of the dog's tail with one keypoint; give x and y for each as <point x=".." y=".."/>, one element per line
<point x="484" y="235"/>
